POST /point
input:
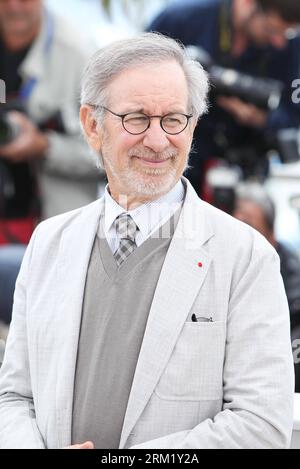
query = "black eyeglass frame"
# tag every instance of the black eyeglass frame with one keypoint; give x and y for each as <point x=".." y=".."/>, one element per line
<point x="122" y="116"/>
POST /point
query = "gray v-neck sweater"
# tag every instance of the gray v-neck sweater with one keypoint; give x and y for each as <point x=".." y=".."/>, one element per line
<point x="116" y="305"/>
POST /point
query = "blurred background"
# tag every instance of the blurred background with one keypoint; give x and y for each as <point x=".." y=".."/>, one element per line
<point x="246" y="155"/>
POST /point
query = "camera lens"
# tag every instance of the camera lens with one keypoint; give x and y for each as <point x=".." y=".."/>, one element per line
<point x="8" y="130"/>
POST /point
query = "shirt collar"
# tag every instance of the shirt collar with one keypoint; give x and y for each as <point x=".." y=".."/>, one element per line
<point x="147" y="216"/>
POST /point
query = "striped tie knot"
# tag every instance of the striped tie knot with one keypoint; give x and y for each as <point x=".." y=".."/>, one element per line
<point x="126" y="227"/>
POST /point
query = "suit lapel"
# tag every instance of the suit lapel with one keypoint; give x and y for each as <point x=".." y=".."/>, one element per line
<point x="74" y="255"/>
<point x="179" y="283"/>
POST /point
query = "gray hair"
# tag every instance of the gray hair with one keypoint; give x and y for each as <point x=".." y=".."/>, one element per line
<point x="145" y="48"/>
<point x="254" y="192"/>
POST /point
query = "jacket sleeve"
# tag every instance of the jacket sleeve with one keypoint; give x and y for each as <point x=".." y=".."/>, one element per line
<point x="18" y="427"/>
<point x="258" y="370"/>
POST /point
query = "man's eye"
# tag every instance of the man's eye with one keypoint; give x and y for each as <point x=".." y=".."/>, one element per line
<point x="172" y="121"/>
<point x="136" y="120"/>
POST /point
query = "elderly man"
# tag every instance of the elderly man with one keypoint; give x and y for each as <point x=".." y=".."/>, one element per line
<point x="148" y="319"/>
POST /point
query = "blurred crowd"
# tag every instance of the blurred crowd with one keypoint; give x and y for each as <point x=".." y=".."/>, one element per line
<point x="251" y="50"/>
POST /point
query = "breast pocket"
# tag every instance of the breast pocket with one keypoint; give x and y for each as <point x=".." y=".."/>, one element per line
<point x="195" y="369"/>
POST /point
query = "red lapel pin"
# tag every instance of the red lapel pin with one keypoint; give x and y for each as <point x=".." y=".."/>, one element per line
<point x="200" y="264"/>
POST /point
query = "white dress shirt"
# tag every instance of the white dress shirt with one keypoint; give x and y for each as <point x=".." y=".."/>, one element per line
<point x="148" y="217"/>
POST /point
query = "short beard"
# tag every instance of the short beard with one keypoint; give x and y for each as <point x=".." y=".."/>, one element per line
<point x="152" y="187"/>
<point x="145" y="182"/>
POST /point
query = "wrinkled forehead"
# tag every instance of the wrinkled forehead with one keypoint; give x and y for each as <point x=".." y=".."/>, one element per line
<point x="150" y="85"/>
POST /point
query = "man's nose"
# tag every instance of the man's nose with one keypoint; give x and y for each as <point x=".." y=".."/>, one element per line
<point x="155" y="137"/>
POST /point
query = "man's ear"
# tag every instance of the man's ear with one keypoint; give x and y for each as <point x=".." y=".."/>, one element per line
<point x="91" y="128"/>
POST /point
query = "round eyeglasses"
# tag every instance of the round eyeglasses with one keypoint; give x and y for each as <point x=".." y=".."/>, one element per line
<point x="136" y="123"/>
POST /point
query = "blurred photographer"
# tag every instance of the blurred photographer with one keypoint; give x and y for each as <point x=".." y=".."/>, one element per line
<point x="256" y="37"/>
<point x="41" y="60"/>
<point x="45" y="166"/>
<point x="255" y="207"/>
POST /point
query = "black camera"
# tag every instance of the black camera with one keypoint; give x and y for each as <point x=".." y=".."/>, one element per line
<point x="9" y="130"/>
<point x="264" y="93"/>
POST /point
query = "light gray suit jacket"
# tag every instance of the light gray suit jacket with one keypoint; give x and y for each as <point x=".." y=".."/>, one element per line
<point x="221" y="384"/>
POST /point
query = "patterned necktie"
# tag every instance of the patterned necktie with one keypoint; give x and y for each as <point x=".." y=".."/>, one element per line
<point x="126" y="229"/>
